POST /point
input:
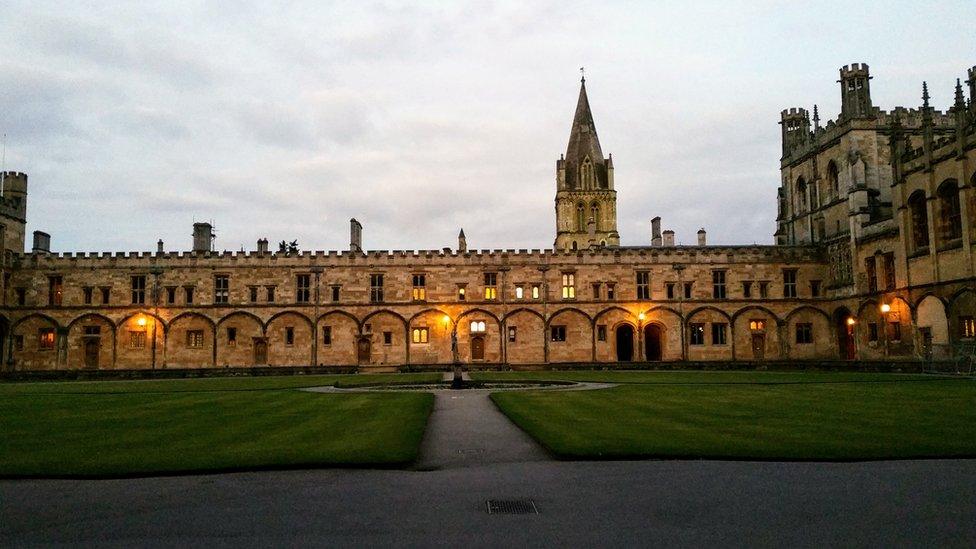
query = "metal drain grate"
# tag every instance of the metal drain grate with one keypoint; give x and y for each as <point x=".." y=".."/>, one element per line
<point x="512" y="507"/>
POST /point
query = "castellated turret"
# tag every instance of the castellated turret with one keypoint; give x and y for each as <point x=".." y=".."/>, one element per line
<point x="13" y="210"/>
<point x="855" y="91"/>
<point x="795" y="124"/>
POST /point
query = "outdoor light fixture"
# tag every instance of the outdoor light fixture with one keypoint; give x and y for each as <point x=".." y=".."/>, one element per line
<point x="850" y="321"/>
<point x="141" y="321"/>
<point x="446" y="319"/>
<point x="640" y="316"/>
<point x="885" y="308"/>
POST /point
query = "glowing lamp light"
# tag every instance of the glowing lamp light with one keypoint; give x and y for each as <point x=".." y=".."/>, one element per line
<point x="850" y="321"/>
<point x="446" y="319"/>
<point x="141" y="321"/>
<point x="640" y="316"/>
<point x="885" y="308"/>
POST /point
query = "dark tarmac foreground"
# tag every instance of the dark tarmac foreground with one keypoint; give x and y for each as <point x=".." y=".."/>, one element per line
<point x="647" y="503"/>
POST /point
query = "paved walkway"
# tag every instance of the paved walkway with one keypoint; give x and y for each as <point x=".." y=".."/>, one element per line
<point x="466" y="428"/>
<point x="581" y="504"/>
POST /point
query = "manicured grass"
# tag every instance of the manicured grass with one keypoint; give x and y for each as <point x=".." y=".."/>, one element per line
<point x="721" y="415"/>
<point x="697" y="377"/>
<point x="149" y="427"/>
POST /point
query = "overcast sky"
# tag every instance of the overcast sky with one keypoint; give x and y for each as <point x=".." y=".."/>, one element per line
<point x="283" y="121"/>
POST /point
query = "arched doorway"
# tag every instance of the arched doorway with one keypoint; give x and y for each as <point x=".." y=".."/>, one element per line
<point x="478" y="348"/>
<point x="625" y="343"/>
<point x="652" y="342"/>
<point x="363" y="349"/>
<point x="260" y="350"/>
<point x="844" y="324"/>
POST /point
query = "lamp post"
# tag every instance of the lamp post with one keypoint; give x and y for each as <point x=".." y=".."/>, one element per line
<point x="155" y="271"/>
<point x="885" y="309"/>
<point x="457" y="380"/>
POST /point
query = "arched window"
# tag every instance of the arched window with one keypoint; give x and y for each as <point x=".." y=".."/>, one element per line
<point x="581" y="217"/>
<point x="595" y="214"/>
<point x="833" y="179"/>
<point x="950" y="215"/>
<point x="586" y="173"/>
<point x="920" y="221"/>
<point x="801" y="195"/>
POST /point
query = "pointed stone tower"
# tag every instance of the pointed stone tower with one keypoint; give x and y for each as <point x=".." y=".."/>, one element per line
<point x="584" y="187"/>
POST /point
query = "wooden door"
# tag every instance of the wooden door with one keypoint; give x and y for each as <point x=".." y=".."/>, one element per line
<point x="363" y="348"/>
<point x="758" y="346"/>
<point x="260" y="351"/>
<point x="477" y="348"/>
<point x="92" y="347"/>
<point x="652" y="342"/>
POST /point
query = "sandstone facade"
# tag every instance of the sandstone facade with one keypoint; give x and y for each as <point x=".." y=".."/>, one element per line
<point x="850" y="240"/>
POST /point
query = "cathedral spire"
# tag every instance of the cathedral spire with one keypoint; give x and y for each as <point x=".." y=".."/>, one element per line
<point x="584" y="147"/>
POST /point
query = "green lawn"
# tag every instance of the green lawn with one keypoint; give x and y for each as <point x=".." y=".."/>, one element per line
<point x="113" y="428"/>
<point x="754" y="415"/>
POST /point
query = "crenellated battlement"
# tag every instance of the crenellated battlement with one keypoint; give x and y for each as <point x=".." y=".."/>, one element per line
<point x="375" y="258"/>
<point x="854" y="69"/>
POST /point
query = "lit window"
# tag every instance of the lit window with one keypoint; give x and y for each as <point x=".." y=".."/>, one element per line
<point x="967" y="327"/>
<point x="477" y="326"/>
<point x="491" y="291"/>
<point x="757" y="325"/>
<point x="420" y="335"/>
<point x="569" y="286"/>
<point x="512" y="332"/>
<point x="519" y="292"/>
<point x="45" y="339"/>
<point x="535" y="291"/>
<point x="461" y="292"/>
<point x="419" y="287"/>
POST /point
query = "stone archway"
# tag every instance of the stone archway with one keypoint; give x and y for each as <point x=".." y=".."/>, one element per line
<point x="933" y="328"/>
<point x="625" y="343"/>
<point x="653" y="337"/>
<point x="846" y="347"/>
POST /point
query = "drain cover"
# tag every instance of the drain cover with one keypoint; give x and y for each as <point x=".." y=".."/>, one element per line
<point x="512" y="507"/>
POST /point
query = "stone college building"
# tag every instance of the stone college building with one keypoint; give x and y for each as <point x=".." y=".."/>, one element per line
<point x="873" y="259"/>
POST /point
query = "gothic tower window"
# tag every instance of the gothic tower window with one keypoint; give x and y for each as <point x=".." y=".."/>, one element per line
<point x="801" y="195"/>
<point x="586" y="173"/>
<point x="833" y="179"/>
<point x="920" y="221"/>
<point x="581" y="217"/>
<point x="595" y="214"/>
<point x="950" y="217"/>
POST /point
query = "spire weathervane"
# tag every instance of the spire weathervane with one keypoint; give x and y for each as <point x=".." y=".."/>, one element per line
<point x="582" y="74"/>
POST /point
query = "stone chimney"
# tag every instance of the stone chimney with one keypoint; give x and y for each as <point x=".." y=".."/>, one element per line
<point x="262" y="245"/>
<point x="656" y="231"/>
<point x="355" y="235"/>
<point x="701" y="236"/>
<point x="159" y="246"/>
<point x="202" y="237"/>
<point x="462" y="242"/>
<point x="42" y="242"/>
<point x="669" y="238"/>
